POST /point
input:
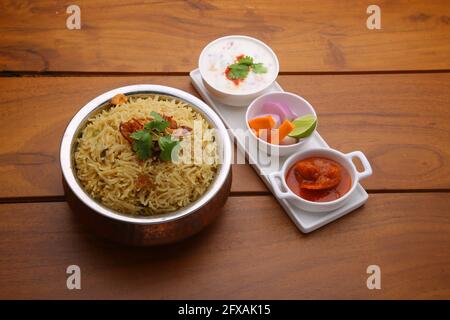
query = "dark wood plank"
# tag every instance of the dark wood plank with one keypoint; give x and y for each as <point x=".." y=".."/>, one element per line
<point x="401" y="122"/>
<point x="253" y="251"/>
<point x="39" y="109"/>
<point x="167" y="36"/>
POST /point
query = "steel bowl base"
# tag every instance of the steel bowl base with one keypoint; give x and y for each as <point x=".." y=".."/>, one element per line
<point x="149" y="234"/>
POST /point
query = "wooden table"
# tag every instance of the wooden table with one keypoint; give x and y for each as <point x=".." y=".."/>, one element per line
<point x="385" y="92"/>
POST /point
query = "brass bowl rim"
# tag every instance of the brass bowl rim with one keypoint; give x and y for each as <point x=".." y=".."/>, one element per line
<point x="79" y="120"/>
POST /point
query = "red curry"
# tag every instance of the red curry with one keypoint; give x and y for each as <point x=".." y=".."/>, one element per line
<point x="318" y="179"/>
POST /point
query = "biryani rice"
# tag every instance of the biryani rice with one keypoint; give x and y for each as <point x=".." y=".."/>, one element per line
<point x="108" y="168"/>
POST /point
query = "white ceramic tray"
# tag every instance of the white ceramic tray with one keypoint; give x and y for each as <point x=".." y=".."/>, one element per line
<point x="234" y="118"/>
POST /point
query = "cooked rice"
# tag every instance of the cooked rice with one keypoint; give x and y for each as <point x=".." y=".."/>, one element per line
<point x="108" y="168"/>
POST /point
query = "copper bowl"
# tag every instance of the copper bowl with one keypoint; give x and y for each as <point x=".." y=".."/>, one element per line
<point x="139" y="230"/>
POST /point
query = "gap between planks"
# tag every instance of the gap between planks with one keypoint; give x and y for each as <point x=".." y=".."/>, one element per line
<point x="12" y="200"/>
<point x="14" y="74"/>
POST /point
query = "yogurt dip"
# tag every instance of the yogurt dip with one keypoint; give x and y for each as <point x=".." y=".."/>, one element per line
<point x="217" y="57"/>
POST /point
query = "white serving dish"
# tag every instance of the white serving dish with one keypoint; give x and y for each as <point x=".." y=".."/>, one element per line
<point x="234" y="118"/>
<point x="282" y="191"/>
<point x="236" y="99"/>
<point x="296" y="103"/>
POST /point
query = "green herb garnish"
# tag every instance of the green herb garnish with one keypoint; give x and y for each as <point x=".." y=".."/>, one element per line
<point x="159" y="123"/>
<point x="143" y="139"/>
<point x="259" y="68"/>
<point x="240" y="69"/>
<point x="143" y="144"/>
<point x="167" y="145"/>
<point x="246" y="60"/>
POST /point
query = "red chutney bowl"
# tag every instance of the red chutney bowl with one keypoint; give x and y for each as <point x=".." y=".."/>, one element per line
<point x="282" y="190"/>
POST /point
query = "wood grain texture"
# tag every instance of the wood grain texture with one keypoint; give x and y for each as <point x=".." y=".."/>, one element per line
<point x="253" y="251"/>
<point x="39" y="109"/>
<point x="167" y="36"/>
<point x="401" y="122"/>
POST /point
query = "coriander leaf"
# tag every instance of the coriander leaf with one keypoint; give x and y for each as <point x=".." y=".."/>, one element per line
<point x="158" y="122"/>
<point x="156" y="116"/>
<point x="143" y="144"/>
<point x="143" y="149"/>
<point x="158" y="125"/>
<point x="238" y="71"/>
<point x="259" y="68"/>
<point x="139" y="135"/>
<point x="247" y="60"/>
<point x="167" y="145"/>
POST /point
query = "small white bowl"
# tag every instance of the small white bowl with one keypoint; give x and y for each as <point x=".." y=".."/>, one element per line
<point x="296" y="103"/>
<point x="284" y="192"/>
<point x="243" y="98"/>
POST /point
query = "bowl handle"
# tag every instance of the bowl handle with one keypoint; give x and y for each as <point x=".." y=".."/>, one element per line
<point x="367" y="168"/>
<point x="273" y="177"/>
